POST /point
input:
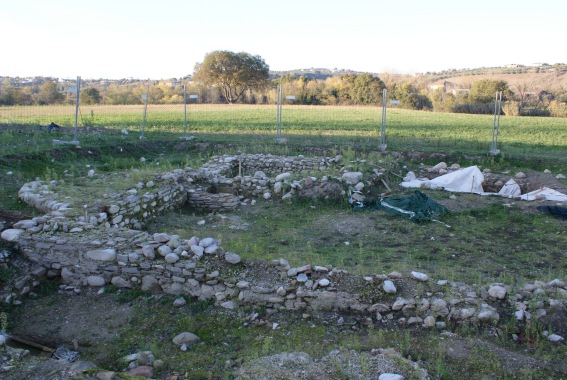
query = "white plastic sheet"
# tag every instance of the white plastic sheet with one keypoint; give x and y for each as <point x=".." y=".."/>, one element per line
<point x="466" y="180"/>
<point x="510" y="189"/>
<point x="469" y="180"/>
<point x="545" y="193"/>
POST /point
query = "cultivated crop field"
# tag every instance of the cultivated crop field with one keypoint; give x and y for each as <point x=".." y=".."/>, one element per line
<point x="320" y="125"/>
<point x="482" y="240"/>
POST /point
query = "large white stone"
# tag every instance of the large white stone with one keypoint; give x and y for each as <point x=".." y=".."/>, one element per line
<point x="12" y="234"/>
<point x="149" y="252"/>
<point x="25" y="224"/>
<point x="419" y="276"/>
<point x="185" y="338"/>
<point x="228" y="305"/>
<point x="211" y="249"/>
<point x="352" y="178"/>
<point x="232" y="258"/>
<point x="206" y="242"/>
<point x="161" y="237"/>
<point x="150" y="284"/>
<point x="197" y="250"/>
<point x="95" y="281"/>
<point x="164" y="250"/>
<point x="113" y="209"/>
<point x="108" y="254"/>
<point x="436" y="168"/>
<point x="172" y="258"/>
<point x="390" y="376"/>
<point x="282" y="177"/>
<point x="429" y="321"/>
<point x="497" y="291"/>
<point x="119" y="282"/>
<point x="389" y="287"/>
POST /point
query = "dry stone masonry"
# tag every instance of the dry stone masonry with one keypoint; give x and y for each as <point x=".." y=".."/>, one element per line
<point x="103" y="244"/>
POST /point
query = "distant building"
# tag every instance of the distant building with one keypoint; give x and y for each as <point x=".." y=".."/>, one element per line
<point x="450" y="87"/>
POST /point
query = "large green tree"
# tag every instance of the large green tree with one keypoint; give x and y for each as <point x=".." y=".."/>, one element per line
<point x="90" y="95"/>
<point x="49" y="94"/>
<point x="484" y="90"/>
<point x="367" y="89"/>
<point x="234" y="73"/>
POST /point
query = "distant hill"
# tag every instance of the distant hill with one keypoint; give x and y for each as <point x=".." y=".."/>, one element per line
<point x="313" y="73"/>
<point x="555" y="82"/>
<point x="552" y="78"/>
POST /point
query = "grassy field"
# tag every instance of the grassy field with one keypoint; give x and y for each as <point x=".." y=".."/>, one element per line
<point x="486" y="242"/>
<point x="322" y="125"/>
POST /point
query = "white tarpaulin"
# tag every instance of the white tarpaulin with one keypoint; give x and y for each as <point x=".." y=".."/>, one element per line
<point x="545" y="193"/>
<point x="467" y="180"/>
<point x="510" y="189"/>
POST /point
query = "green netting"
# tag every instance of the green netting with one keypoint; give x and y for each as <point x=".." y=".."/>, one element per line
<point x="417" y="207"/>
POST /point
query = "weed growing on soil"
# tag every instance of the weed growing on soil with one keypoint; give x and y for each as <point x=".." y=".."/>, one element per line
<point x="486" y="243"/>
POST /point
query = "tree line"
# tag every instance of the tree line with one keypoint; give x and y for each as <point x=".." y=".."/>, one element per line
<point x="227" y="77"/>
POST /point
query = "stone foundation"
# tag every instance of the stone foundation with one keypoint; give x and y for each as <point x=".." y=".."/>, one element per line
<point x="94" y="247"/>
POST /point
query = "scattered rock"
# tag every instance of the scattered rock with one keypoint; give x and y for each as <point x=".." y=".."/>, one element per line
<point x="389" y="287"/>
<point x="179" y="302"/>
<point x="283" y="177"/>
<point x="232" y="258"/>
<point x="95" y="281"/>
<point x="390" y="376"/>
<point x="11" y="234"/>
<point x="497" y="291"/>
<point x="410" y="177"/>
<point x="419" y="276"/>
<point x="185" y="338"/>
<point x="119" y="282"/>
<point x="108" y="254"/>
<point x="436" y="168"/>
<point x="352" y="178"/>
<point x="142" y="371"/>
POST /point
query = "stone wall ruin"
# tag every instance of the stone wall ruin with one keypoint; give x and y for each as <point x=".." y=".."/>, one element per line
<point x="103" y="244"/>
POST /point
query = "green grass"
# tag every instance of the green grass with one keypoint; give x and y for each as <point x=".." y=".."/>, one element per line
<point x="493" y="243"/>
<point x="326" y="125"/>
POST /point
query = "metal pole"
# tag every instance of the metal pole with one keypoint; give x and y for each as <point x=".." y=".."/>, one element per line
<point x="383" y="127"/>
<point x="77" y="108"/>
<point x="184" y="111"/>
<point x="281" y="109"/>
<point x="279" y="113"/>
<point x="496" y="123"/>
<point x="145" y="110"/>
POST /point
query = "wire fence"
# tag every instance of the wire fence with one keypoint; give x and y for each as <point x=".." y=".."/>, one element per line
<point x="375" y="126"/>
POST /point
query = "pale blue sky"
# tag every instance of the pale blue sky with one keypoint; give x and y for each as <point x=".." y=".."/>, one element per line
<point x="164" y="39"/>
